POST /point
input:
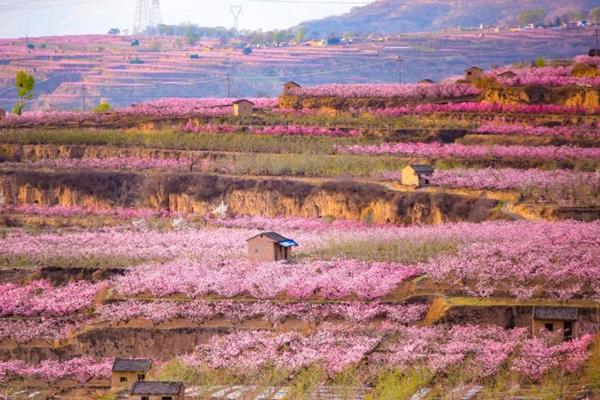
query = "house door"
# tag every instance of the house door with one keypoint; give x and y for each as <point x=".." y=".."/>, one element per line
<point x="568" y="330"/>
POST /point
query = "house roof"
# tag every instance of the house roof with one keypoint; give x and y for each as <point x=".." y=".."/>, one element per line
<point x="556" y="313"/>
<point x="507" y="73"/>
<point x="291" y="83"/>
<point x="426" y="81"/>
<point x="149" y="388"/>
<point x="474" y="68"/>
<point x="276" y="238"/>
<point x="243" y="101"/>
<point x="131" y="365"/>
<point x="422" y="169"/>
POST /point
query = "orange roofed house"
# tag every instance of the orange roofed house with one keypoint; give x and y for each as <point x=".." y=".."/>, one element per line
<point x="157" y="391"/>
<point x="270" y="246"/>
<point x="125" y="372"/>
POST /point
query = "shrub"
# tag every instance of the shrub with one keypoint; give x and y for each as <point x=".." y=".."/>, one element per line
<point x="103" y="107"/>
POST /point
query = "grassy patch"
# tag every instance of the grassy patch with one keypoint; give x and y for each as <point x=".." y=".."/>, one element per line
<point x="168" y="139"/>
<point x="404" y="251"/>
<point x="305" y="383"/>
<point x="92" y="261"/>
<point x="399" y="385"/>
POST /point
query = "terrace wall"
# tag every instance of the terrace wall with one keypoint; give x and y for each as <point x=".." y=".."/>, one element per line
<point x="586" y="97"/>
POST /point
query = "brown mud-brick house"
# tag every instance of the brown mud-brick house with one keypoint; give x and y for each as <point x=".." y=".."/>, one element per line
<point x="270" y="246"/>
<point x="125" y="372"/>
<point x="242" y="107"/>
<point x="472" y="73"/>
<point x="157" y="391"/>
<point x="426" y="82"/>
<point x="417" y="175"/>
<point x="554" y="319"/>
<point x="290" y="86"/>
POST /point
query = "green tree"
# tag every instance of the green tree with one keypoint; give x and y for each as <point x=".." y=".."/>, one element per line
<point x="191" y="36"/>
<point x="534" y="16"/>
<point x="24" y="84"/>
<point x="539" y="62"/>
<point x="103" y="107"/>
<point x="300" y="35"/>
<point x="595" y="14"/>
<point x="576" y="15"/>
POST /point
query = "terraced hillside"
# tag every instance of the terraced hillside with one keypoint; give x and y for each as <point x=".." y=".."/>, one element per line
<point x="79" y="72"/>
<point x="124" y="235"/>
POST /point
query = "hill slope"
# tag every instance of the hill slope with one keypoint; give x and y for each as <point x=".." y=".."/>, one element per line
<point x="394" y="16"/>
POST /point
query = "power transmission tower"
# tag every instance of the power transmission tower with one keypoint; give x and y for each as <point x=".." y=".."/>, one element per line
<point x="147" y="15"/>
<point x="236" y="10"/>
<point x="155" y="14"/>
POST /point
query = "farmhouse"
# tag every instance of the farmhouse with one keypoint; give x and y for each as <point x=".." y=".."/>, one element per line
<point x="291" y="85"/>
<point x="242" y="107"/>
<point x="426" y="82"/>
<point x="553" y="319"/>
<point x="157" y="391"/>
<point x="127" y="371"/>
<point x="270" y="246"/>
<point x="417" y="175"/>
<point x="2" y="113"/>
<point x="473" y="73"/>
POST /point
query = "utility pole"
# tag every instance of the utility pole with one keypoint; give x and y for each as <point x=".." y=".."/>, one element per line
<point x="228" y="85"/>
<point x="597" y="37"/>
<point x="83" y="97"/>
<point x="400" y="69"/>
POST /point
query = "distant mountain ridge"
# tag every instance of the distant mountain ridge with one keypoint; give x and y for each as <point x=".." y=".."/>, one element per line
<point x="402" y="16"/>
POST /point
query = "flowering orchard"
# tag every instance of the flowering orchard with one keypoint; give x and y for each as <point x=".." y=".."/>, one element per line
<point x="83" y="369"/>
<point x="547" y="76"/>
<point x="436" y="150"/>
<point x="484" y="108"/>
<point x="272" y="130"/>
<point x="404" y="91"/>
<point x="559" y="186"/>
<point x="504" y="128"/>
<point x="338" y="279"/>
<point x="167" y="108"/>
<point x="40" y="297"/>
<point x="482" y="351"/>
<point x="275" y="312"/>
<point x="121" y="213"/>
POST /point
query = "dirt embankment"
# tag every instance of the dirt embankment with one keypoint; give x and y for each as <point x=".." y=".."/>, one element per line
<point x="586" y="97"/>
<point x="202" y="193"/>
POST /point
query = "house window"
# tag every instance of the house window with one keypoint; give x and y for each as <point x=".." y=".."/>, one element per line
<point x="166" y="398"/>
<point x="145" y="398"/>
<point x="141" y="377"/>
<point x="123" y="379"/>
<point x="549" y="326"/>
